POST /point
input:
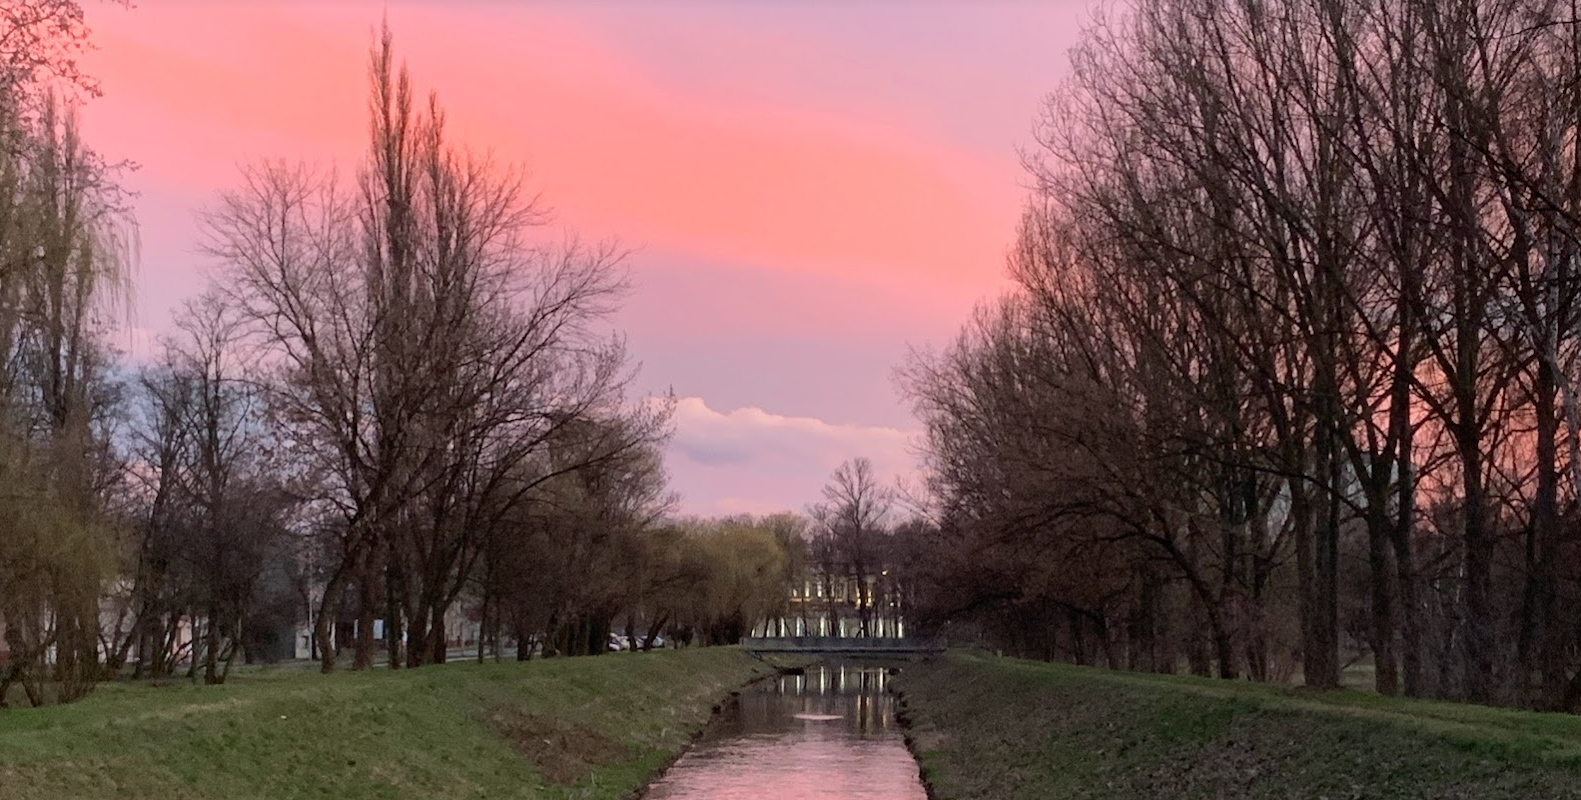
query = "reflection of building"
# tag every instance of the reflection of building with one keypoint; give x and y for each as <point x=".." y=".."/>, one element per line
<point x="839" y="605"/>
<point x="858" y="695"/>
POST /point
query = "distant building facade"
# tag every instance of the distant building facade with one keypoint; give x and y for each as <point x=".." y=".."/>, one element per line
<point x="841" y="604"/>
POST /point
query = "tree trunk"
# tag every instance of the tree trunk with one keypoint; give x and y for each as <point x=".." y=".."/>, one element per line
<point x="324" y="627"/>
<point x="1403" y="434"/>
<point x="369" y="581"/>
<point x="438" y="635"/>
<point x="1479" y="575"/>
<point x="1541" y="623"/>
<point x="1381" y="631"/>
<point x="211" y="650"/>
<point x="1319" y="658"/>
<point x="393" y="589"/>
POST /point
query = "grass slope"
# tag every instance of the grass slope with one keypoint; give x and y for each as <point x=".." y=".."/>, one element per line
<point x="584" y="728"/>
<point x="1005" y="729"/>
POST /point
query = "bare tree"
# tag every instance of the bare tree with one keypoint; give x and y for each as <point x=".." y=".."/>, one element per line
<point x="425" y="350"/>
<point x="1294" y="287"/>
<point x="852" y="518"/>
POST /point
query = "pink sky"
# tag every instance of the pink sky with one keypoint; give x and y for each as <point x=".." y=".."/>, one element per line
<point x="811" y="188"/>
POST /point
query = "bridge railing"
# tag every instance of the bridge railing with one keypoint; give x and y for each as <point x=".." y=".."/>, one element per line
<point x="840" y="644"/>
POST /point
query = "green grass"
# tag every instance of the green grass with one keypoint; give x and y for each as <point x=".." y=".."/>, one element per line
<point x="1006" y="729"/>
<point x="562" y="728"/>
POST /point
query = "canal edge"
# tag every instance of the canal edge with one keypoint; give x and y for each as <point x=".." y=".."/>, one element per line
<point x="776" y="670"/>
<point x="909" y="730"/>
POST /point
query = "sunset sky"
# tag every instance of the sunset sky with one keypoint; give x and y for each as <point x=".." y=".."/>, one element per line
<point x="810" y="189"/>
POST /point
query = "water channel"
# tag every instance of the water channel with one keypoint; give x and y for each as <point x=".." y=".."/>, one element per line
<point x="828" y="734"/>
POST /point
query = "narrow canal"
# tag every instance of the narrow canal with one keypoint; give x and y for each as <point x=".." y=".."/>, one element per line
<point x="830" y="734"/>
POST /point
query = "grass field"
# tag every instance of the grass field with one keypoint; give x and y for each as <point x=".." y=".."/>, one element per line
<point x="562" y="728"/>
<point x="1005" y="729"/>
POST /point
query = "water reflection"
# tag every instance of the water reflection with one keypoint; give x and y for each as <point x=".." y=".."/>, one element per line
<point x="830" y="734"/>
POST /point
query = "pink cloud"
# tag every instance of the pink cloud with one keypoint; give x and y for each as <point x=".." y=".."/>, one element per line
<point x="753" y="460"/>
<point x="195" y="89"/>
<point x="806" y="192"/>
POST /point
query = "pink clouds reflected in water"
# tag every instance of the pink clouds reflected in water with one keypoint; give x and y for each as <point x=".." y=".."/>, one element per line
<point x="830" y="734"/>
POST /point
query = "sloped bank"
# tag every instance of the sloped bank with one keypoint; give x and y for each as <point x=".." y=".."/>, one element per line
<point x="985" y="728"/>
<point x="586" y="728"/>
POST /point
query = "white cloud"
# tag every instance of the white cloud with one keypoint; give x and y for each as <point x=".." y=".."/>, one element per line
<point x="757" y="461"/>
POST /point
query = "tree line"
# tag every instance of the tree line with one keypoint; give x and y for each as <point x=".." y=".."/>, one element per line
<point x="1288" y="378"/>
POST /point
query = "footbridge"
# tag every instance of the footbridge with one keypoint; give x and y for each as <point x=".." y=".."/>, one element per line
<point x="842" y="645"/>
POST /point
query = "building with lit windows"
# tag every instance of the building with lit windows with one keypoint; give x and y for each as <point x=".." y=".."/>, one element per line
<point x="844" y="605"/>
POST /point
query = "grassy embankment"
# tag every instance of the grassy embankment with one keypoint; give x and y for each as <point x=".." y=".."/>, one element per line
<point x="1007" y="729"/>
<point x="584" y="728"/>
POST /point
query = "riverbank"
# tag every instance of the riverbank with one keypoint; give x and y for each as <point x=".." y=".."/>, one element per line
<point x="988" y="728"/>
<point x="585" y="728"/>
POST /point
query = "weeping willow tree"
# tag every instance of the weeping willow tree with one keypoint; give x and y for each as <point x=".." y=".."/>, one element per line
<point x="65" y="255"/>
